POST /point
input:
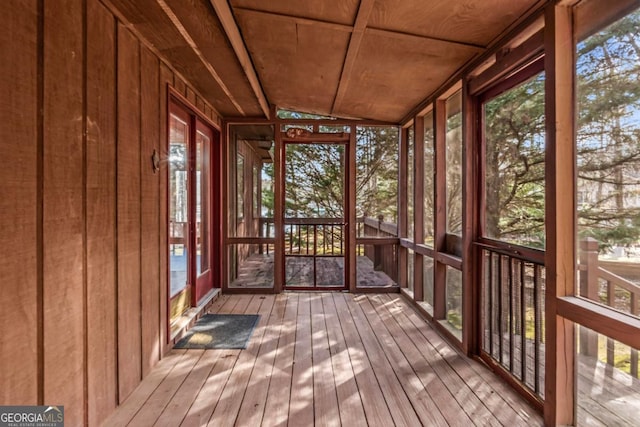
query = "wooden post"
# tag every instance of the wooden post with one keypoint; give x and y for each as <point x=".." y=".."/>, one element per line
<point x="402" y="205"/>
<point x="378" y="251"/>
<point x="278" y="214"/>
<point x="559" y="405"/>
<point x="350" y="196"/>
<point x="471" y="327"/>
<point x="440" y="202"/>
<point x="418" y="205"/>
<point x="589" y="290"/>
<point x="634" y="352"/>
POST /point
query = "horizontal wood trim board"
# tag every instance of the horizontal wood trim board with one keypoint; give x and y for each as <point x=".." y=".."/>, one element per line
<point x="330" y="122"/>
<point x="525" y="254"/>
<point x="314" y="221"/>
<point x="329" y="139"/>
<point x="614" y="324"/>
<point x="450" y="260"/>
<point x="250" y="240"/>
<point x="406" y="243"/>
<point x="509" y="63"/>
<point x="424" y="250"/>
<point x="377" y="241"/>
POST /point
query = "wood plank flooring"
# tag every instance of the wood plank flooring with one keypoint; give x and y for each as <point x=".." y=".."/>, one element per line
<point x="325" y="359"/>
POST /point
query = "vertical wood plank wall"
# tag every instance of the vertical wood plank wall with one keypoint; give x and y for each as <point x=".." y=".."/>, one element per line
<point x="82" y="214"/>
<point x="101" y="213"/>
<point x="166" y="78"/>
<point x="150" y="205"/>
<point x="63" y="222"/>
<point x="19" y="205"/>
<point x="128" y="218"/>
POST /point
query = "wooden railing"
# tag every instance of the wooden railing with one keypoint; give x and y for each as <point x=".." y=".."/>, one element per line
<point x="314" y="236"/>
<point x="326" y="237"/>
<point x="602" y="285"/>
<point x="513" y="313"/>
<point x="177" y="233"/>
<point x="266" y="229"/>
<point x="376" y="227"/>
<point x="383" y="257"/>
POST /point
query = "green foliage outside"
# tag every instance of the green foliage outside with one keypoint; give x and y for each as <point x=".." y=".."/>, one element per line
<point x="315" y="175"/>
<point x="377" y="172"/>
<point x="608" y="146"/>
<point x="608" y="73"/>
<point x="514" y="159"/>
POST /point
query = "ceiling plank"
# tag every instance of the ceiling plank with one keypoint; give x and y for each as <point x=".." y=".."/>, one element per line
<point x="192" y="44"/>
<point x="362" y="18"/>
<point x="233" y="33"/>
<point x="297" y="19"/>
<point x="404" y="35"/>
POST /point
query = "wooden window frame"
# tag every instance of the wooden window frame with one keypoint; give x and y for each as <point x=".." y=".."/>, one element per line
<point x="564" y="20"/>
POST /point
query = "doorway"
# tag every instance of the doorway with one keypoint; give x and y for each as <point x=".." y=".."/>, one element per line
<point x="193" y="187"/>
<point x="315" y="229"/>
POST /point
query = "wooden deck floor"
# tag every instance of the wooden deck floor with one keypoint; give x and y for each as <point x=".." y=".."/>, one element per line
<point x="325" y="359"/>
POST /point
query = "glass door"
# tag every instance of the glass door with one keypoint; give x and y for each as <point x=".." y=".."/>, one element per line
<point x="179" y="212"/>
<point x="203" y="209"/>
<point x="192" y="194"/>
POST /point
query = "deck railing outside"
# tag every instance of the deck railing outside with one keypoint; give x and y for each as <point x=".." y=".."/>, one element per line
<point x="314" y="237"/>
<point x="383" y="257"/>
<point x="266" y="229"/>
<point x="326" y="237"/>
<point x="513" y="311"/>
<point x="599" y="284"/>
<point x="513" y="314"/>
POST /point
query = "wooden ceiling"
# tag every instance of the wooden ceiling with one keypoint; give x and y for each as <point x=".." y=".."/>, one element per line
<point x="369" y="59"/>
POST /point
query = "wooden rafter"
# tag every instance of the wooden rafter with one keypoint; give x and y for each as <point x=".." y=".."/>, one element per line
<point x="364" y="11"/>
<point x="192" y="44"/>
<point x="237" y="42"/>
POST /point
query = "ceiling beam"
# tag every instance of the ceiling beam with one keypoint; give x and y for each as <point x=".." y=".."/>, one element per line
<point x="192" y="44"/>
<point x="362" y="18"/>
<point x="237" y="42"/>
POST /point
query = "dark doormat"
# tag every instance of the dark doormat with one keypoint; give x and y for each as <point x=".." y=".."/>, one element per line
<point x="220" y="331"/>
